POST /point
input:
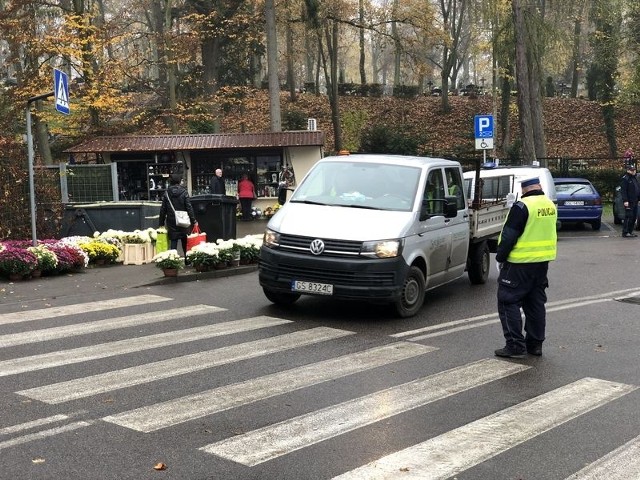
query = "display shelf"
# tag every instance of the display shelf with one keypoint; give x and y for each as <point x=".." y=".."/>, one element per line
<point x="158" y="175"/>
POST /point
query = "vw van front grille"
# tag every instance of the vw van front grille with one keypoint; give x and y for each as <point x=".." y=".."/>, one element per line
<point x="298" y="244"/>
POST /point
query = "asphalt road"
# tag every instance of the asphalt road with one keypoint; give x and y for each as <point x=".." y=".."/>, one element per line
<point x="107" y="374"/>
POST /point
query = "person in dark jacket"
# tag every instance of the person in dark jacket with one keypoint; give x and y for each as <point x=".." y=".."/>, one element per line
<point x="180" y="200"/>
<point x="217" y="183"/>
<point x="630" y="191"/>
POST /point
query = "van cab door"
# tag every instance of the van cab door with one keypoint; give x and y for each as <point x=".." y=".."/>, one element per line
<point x="435" y="236"/>
<point x="458" y="225"/>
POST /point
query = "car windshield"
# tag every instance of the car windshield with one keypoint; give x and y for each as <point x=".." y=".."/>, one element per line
<point x="360" y="185"/>
<point x="574" y="188"/>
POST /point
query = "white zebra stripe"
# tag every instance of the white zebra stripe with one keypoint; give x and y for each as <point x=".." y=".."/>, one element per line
<point x="621" y="464"/>
<point x="138" y="375"/>
<point x="162" y="415"/>
<point x="54" y="333"/>
<point x="53" y="312"/>
<point x="281" y="438"/>
<point x="104" y="350"/>
<point x="460" y="449"/>
<point x="32" y="424"/>
<point x="43" y="434"/>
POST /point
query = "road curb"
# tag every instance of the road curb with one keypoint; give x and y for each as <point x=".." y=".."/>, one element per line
<point x="193" y="276"/>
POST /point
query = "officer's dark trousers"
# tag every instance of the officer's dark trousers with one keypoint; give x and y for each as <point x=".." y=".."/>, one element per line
<point x="630" y="215"/>
<point x="522" y="285"/>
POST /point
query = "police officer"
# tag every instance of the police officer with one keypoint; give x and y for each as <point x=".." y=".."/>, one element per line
<point x="526" y="245"/>
<point x="630" y="191"/>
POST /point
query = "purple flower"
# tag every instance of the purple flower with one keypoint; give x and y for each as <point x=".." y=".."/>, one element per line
<point x="15" y="260"/>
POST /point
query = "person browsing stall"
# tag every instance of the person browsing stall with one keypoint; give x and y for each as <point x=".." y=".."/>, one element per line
<point x="218" y="186"/>
<point x="526" y="245"/>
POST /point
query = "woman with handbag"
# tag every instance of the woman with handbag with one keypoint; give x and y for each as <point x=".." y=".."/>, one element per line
<point x="176" y="199"/>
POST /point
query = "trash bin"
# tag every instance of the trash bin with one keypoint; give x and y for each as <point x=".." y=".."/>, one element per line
<point x="216" y="215"/>
<point x="85" y="219"/>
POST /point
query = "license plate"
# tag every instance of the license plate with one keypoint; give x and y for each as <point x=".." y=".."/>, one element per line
<point x="312" y="287"/>
<point x="574" y="202"/>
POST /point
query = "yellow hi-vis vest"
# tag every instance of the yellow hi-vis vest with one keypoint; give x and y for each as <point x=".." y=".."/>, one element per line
<point x="538" y="241"/>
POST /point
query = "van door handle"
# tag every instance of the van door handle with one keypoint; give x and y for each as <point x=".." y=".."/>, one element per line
<point x="465" y="216"/>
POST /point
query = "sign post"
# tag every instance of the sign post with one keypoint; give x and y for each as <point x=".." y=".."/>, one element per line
<point x="483" y="129"/>
<point x="61" y="93"/>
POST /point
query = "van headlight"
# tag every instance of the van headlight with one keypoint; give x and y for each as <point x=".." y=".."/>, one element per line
<point x="271" y="238"/>
<point x="382" y="248"/>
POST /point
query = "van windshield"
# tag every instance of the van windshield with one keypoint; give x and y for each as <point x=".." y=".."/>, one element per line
<point x="360" y="185"/>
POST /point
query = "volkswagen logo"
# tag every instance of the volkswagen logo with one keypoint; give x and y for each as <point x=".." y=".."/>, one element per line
<point x="317" y="246"/>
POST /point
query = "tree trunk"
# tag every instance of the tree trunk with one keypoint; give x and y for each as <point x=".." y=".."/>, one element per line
<point x="291" y="83"/>
<point x="363" y="74"/>
<point x="42" y="137"/>
<point x="272" y="65"/>
<point x="522" y="80"/>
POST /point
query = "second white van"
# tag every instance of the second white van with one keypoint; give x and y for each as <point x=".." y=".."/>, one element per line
<point x="497" y="183"/>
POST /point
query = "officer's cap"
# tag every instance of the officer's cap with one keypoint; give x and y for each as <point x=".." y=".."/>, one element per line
<point x="530" y="181"/>
<point x="631" y="166"/>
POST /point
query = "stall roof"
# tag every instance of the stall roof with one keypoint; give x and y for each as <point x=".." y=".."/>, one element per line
<point x="213" y="141"/>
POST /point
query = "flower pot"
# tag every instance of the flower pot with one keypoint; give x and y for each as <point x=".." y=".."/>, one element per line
<point x="170" y="272"/>
<point x="201" y="268"/>
<point x="221" y="265"/>
<point x="36" y="273"/>
<point x="16" y="277"/>
<point x="100" y="261"/>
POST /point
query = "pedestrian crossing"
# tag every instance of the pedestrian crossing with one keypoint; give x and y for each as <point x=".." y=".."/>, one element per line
<point x="442" y="456"/>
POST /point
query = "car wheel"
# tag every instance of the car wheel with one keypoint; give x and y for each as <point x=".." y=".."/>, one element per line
<point x="412" y="296"/>
<point x="596" y="224"/>
<point x="479" y="263"/>
<point x="281" y="298"/>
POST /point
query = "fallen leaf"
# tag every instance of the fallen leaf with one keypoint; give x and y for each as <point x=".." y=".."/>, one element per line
<point x="404" y="469"/>
<point x="160" y="466"/>
<point x="37" y="460"/>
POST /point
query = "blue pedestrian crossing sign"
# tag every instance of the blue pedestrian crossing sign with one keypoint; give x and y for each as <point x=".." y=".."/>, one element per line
<point x="61" y="91"/>
<point x="483" y="127"/>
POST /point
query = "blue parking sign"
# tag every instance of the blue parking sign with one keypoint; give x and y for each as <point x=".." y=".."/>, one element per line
<point x="483" y="126"/>
<point x="61" y="91"/>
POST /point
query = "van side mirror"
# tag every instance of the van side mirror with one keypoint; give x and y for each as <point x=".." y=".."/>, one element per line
<point x="282" y="194"/>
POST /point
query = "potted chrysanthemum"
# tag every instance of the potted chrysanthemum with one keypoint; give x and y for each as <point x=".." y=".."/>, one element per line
<point x="169" y="261"/>
<point x="47" y="260"/>
<point x="16" y="263"/>
<point x="203" y="256"/>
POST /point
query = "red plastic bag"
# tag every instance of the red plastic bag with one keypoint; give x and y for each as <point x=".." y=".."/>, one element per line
<point x="195" y="237"/>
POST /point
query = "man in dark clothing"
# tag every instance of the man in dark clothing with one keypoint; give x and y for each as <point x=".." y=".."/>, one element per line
<point x="526" y="245"/>
<point x="630" y="191"/>
<point x="179" y="198"/>
<point x="217" y="183"/>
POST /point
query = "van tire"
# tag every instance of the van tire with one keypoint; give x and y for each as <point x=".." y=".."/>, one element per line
<point x="479" y="263"/>
<point x="412" y="295"/>
<point x="281" y="298"/>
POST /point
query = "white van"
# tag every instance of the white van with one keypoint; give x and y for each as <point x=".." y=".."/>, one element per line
<point x="499" y="182"/>
<point x="380" y="228"/>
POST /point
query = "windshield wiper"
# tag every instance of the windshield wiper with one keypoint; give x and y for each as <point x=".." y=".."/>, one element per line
<point x="308" y="202"/>
<point x="577" y="190"/>
<point x="355" y="205"/>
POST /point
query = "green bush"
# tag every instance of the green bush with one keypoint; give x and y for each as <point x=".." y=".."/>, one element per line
<point x="294" y="120"/>
<point x="386" y="139"/>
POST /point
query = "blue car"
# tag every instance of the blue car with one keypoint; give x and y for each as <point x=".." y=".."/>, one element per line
<point x="578" y="201"/>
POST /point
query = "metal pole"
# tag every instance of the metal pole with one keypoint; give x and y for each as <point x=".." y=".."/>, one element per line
<point x="32" y="189"/>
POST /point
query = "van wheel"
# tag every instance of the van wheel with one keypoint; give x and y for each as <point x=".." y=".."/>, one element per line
<point x="281" y="298"/>
<point x="412" y="296"/>
<point x="479" y="263"/>
<point x="596" y="224"/>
